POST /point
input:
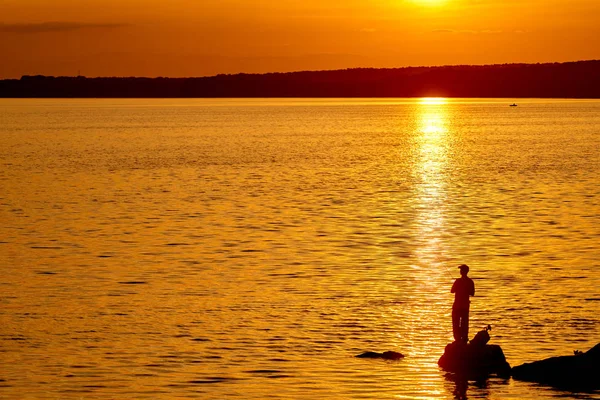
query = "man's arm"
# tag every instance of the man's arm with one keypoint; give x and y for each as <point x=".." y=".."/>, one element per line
<point x="453" y="287"/>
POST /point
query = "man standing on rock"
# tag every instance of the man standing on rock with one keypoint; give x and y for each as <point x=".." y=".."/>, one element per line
<point x="462" y="288"/>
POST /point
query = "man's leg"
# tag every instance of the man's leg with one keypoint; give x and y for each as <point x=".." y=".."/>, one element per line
<point x="456" y="325"/>
<point x="464" y="325"/>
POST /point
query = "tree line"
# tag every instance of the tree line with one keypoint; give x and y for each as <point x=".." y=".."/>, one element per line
<point x="580" y="79"/>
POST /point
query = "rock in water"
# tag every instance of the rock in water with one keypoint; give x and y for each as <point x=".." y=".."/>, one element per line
<point x="474" y="359"/>
<point x="577" y="372"/>
<point x="386" y="355"/>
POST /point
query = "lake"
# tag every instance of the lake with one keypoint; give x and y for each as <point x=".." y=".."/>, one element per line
<point x="251" y="248"/>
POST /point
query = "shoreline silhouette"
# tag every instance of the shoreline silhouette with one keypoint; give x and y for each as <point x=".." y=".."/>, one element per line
<point x="579" y="79"/>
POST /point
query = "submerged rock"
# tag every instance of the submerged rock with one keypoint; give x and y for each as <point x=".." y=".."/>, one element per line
<point x="580" y="371"/>
<point x="474" y="359"/>
<point x="386" y="355"/>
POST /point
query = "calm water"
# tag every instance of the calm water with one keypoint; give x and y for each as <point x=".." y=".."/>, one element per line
<point x="164" y="249"/>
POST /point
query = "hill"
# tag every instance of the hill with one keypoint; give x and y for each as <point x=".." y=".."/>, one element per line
<point x="579" y="79"/>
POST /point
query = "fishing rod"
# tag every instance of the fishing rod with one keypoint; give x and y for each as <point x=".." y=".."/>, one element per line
<point x="448" y="272"/>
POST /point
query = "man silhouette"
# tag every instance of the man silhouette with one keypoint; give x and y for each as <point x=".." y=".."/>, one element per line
<point x="462" y="288"/>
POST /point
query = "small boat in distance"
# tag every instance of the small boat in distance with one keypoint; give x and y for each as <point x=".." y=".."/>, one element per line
<point x="512" y="105"/>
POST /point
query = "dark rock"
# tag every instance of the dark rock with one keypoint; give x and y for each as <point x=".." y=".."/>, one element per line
<point x="474" y="359"/>
<point x="387" y="355"/>
<point x="577" y="372"/>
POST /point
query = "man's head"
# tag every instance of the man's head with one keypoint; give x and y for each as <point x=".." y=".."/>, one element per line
<point x="464" y="269"/>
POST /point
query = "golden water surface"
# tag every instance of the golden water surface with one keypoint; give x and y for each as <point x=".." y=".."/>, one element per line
<point x="164" y="249"/>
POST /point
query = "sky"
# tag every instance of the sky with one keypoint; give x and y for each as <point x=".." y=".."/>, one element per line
<point x="178" y="38"/>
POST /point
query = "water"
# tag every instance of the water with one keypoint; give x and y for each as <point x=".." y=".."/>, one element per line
<point x="165" y="249"/>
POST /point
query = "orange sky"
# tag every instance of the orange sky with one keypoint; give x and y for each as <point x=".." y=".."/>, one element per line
<point x="207" y="37"/>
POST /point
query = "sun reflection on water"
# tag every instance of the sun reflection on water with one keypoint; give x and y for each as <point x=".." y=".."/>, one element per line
<point x="429" y="310"/>
<point x="431" y="141"/>
<point x="433" y="100"/>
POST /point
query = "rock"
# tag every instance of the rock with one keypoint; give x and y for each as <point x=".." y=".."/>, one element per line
<point x="474" y="359"/>
<point x="579" y="372"/>
<point x="386" y="355"/>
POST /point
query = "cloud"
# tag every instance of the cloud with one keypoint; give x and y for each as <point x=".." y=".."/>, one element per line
<point x="454" y="31"/>
<point x="468" y="31"/>
<point x="56" y="27"/>
<point x="444" y="31"/>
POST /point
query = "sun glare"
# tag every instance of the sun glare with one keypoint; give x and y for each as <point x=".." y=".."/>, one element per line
<point x="433" y="100"/>
<point x="430" y="3"/>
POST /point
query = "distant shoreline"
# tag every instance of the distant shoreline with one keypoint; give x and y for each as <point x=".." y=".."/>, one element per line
<point x="570" y="80"/>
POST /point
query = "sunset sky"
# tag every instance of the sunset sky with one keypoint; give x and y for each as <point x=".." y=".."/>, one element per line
<point x="206" y="37"/>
